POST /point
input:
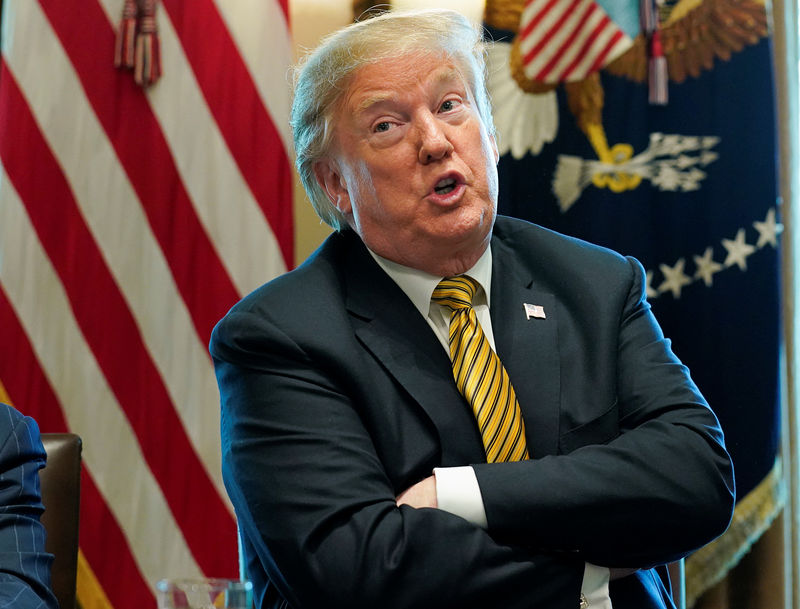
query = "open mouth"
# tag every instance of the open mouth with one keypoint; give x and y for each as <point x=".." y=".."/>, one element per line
<point x="445" y="186"/>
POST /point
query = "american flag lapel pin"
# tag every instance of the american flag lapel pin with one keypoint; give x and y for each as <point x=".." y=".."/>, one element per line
<point x="536" y="311"/>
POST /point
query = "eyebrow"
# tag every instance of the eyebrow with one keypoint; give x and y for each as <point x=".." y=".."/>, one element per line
<point x="440" y="77"/>
<point x="374" y="100"/>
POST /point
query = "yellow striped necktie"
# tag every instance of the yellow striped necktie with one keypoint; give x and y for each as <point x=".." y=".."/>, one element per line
<point x="480" y="375"/>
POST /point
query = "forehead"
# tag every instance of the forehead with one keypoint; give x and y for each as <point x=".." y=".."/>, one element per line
<point x="398" y="77"/>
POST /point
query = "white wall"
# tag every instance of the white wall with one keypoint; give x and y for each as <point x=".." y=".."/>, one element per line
<point x="312" y="19"/>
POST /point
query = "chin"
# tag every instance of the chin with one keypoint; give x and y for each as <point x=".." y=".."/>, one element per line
<point x="476" y="222"/>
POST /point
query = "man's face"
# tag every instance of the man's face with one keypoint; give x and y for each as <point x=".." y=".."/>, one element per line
<point x="412" y="167"/>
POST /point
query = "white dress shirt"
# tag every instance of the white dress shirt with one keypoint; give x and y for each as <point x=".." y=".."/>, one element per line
<point x="457" y="489"/>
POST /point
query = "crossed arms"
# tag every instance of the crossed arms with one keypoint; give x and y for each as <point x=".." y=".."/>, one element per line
<point x="318" y="444"/>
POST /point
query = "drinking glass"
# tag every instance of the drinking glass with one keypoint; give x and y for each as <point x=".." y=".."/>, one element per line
<point x="204" y="594"/>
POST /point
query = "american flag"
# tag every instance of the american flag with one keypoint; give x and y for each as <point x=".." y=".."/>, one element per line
<point x="535" y="311"/>
<point x="131" y="219"/>
<point x="566" y="40"/>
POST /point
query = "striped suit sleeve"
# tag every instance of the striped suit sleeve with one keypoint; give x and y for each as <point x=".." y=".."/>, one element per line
<point x="24" y="564"/>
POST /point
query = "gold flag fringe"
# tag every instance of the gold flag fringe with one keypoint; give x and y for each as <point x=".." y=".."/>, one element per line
<point x="753" y="515"/>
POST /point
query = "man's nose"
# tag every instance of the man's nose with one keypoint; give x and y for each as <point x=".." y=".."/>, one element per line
<point x="434" y="144"/>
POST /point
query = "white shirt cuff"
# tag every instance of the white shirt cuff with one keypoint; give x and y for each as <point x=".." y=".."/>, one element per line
<point x="457" y="492"/>
<point x="594" y="590"/>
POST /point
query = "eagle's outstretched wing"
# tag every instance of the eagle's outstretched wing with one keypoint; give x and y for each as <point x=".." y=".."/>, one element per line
<point x="694" y="37"/>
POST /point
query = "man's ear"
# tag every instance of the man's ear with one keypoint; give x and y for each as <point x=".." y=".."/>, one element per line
<point x="493" y="139"/>
<point x="330" y="179"/>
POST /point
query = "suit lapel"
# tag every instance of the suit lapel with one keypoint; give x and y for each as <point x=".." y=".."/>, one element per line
<point x="528" y="348"/>
<point x="394" y="332"/>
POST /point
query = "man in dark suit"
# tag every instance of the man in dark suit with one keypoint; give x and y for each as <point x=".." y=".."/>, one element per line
<point x="377" y="452"/>
<point x="24" y="564"/>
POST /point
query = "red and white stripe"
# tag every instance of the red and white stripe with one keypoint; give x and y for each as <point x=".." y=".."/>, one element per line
<point x="130" y="221"/>
<point x="567" y="40"/>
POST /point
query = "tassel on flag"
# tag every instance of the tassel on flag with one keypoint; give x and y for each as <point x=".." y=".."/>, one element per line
<point x="648" y="16"/>
<point x="148" y="53"/>
<point x="137" y="44"/>
<point x="657" y="71"/>
<point x="657" y="74"/>
<point x="126" y="36"/>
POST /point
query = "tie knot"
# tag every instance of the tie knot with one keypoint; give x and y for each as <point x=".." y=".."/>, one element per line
<point x="455" y="292"/>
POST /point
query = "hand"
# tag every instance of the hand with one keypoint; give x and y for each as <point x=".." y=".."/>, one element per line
<point x="422" y="494"/>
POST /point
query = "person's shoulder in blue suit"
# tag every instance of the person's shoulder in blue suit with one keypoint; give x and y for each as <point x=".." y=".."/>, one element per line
<point x="24" y="563"/>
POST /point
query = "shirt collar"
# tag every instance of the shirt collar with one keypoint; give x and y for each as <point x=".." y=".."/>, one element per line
<point x="419" y="285"/>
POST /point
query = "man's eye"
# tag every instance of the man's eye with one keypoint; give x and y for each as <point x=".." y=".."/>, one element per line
<point x="384" y="126"/>
<point x="448" y="105"/>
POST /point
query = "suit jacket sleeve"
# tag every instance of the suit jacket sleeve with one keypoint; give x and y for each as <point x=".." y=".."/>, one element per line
<point x="24" y="564"/>
<point x="315" y="503"/>
<point x="646" y="479"/>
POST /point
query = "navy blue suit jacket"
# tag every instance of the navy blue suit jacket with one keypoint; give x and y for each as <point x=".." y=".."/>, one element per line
<point x="24" y="564"/>
<point x="336" y="396"/>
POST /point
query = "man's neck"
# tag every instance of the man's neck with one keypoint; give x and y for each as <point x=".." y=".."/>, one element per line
<point x="433" y="263"/>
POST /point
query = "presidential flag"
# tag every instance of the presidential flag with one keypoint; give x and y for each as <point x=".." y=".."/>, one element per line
<point x="138" y="202"/>
<point x="688" y="187"/>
